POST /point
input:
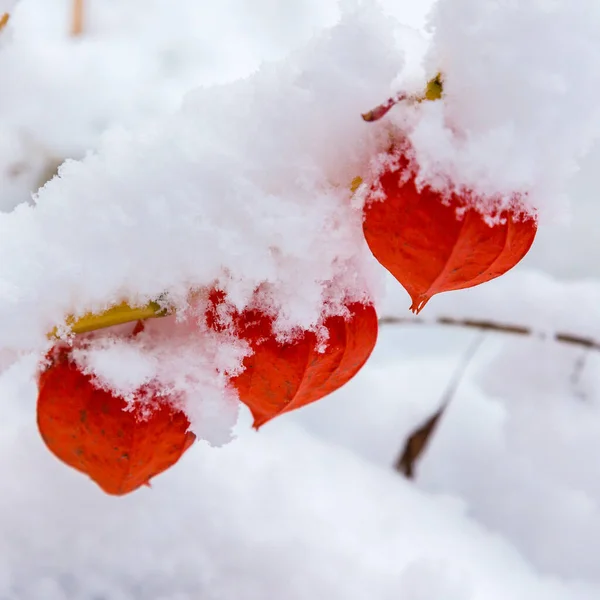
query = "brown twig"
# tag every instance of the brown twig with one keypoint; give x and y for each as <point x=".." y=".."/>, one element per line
<point x="77" y="19"/>
<point x="433" y="91"/>
<point x="484" y="325"/>
<point x="417" y="442"/>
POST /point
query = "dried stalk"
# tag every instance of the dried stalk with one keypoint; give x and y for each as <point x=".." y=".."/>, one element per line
<point x="417" y="442"/>
<point x="77" y="18"/>
<point x="484" y="325"/>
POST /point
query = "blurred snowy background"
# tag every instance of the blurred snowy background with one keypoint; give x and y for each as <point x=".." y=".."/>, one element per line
<point x="506" y="500"/>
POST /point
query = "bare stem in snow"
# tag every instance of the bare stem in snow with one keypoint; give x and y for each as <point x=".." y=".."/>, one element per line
<point x="77" y="22"/>
<point x="560" y="337"/>
<point x="417" y="442"/>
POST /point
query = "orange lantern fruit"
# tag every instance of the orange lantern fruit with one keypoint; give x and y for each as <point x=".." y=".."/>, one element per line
<point x="280" y="377"/>
<point x="95" y="432"/>
<point x="433" y="244"/>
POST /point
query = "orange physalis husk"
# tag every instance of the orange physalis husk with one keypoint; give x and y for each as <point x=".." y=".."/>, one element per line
<point x="432" y="244"/>
<point x="281" y="377"/>
<point x="93" y="431"/>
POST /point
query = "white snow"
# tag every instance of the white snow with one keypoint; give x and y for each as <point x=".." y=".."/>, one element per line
<point x="308" y="507"/>
<point x="7" y="6"/>
<point x="521" y="97"/>
<point x="217" y="142"/>
<point x="246" y="187"/>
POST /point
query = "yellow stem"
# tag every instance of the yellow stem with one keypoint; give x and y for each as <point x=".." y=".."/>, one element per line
<point x="434" y="89"/>
<point x="356" y="183"/>
<point x="4" y="20"/>
<point x="117" y="315"/>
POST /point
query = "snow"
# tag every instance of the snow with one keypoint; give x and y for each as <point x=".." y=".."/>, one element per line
<point x="214" y="142"/>
<point x="306" y="506"/>
<point x="229" y="191"/>
<point x="521" y="89"/>
<point x="7" y="6"/>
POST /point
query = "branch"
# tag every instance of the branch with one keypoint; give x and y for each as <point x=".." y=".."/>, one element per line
<point x="417" y="442"/>
<point x="484" y="325"/>
<point x="77" y="19"/>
